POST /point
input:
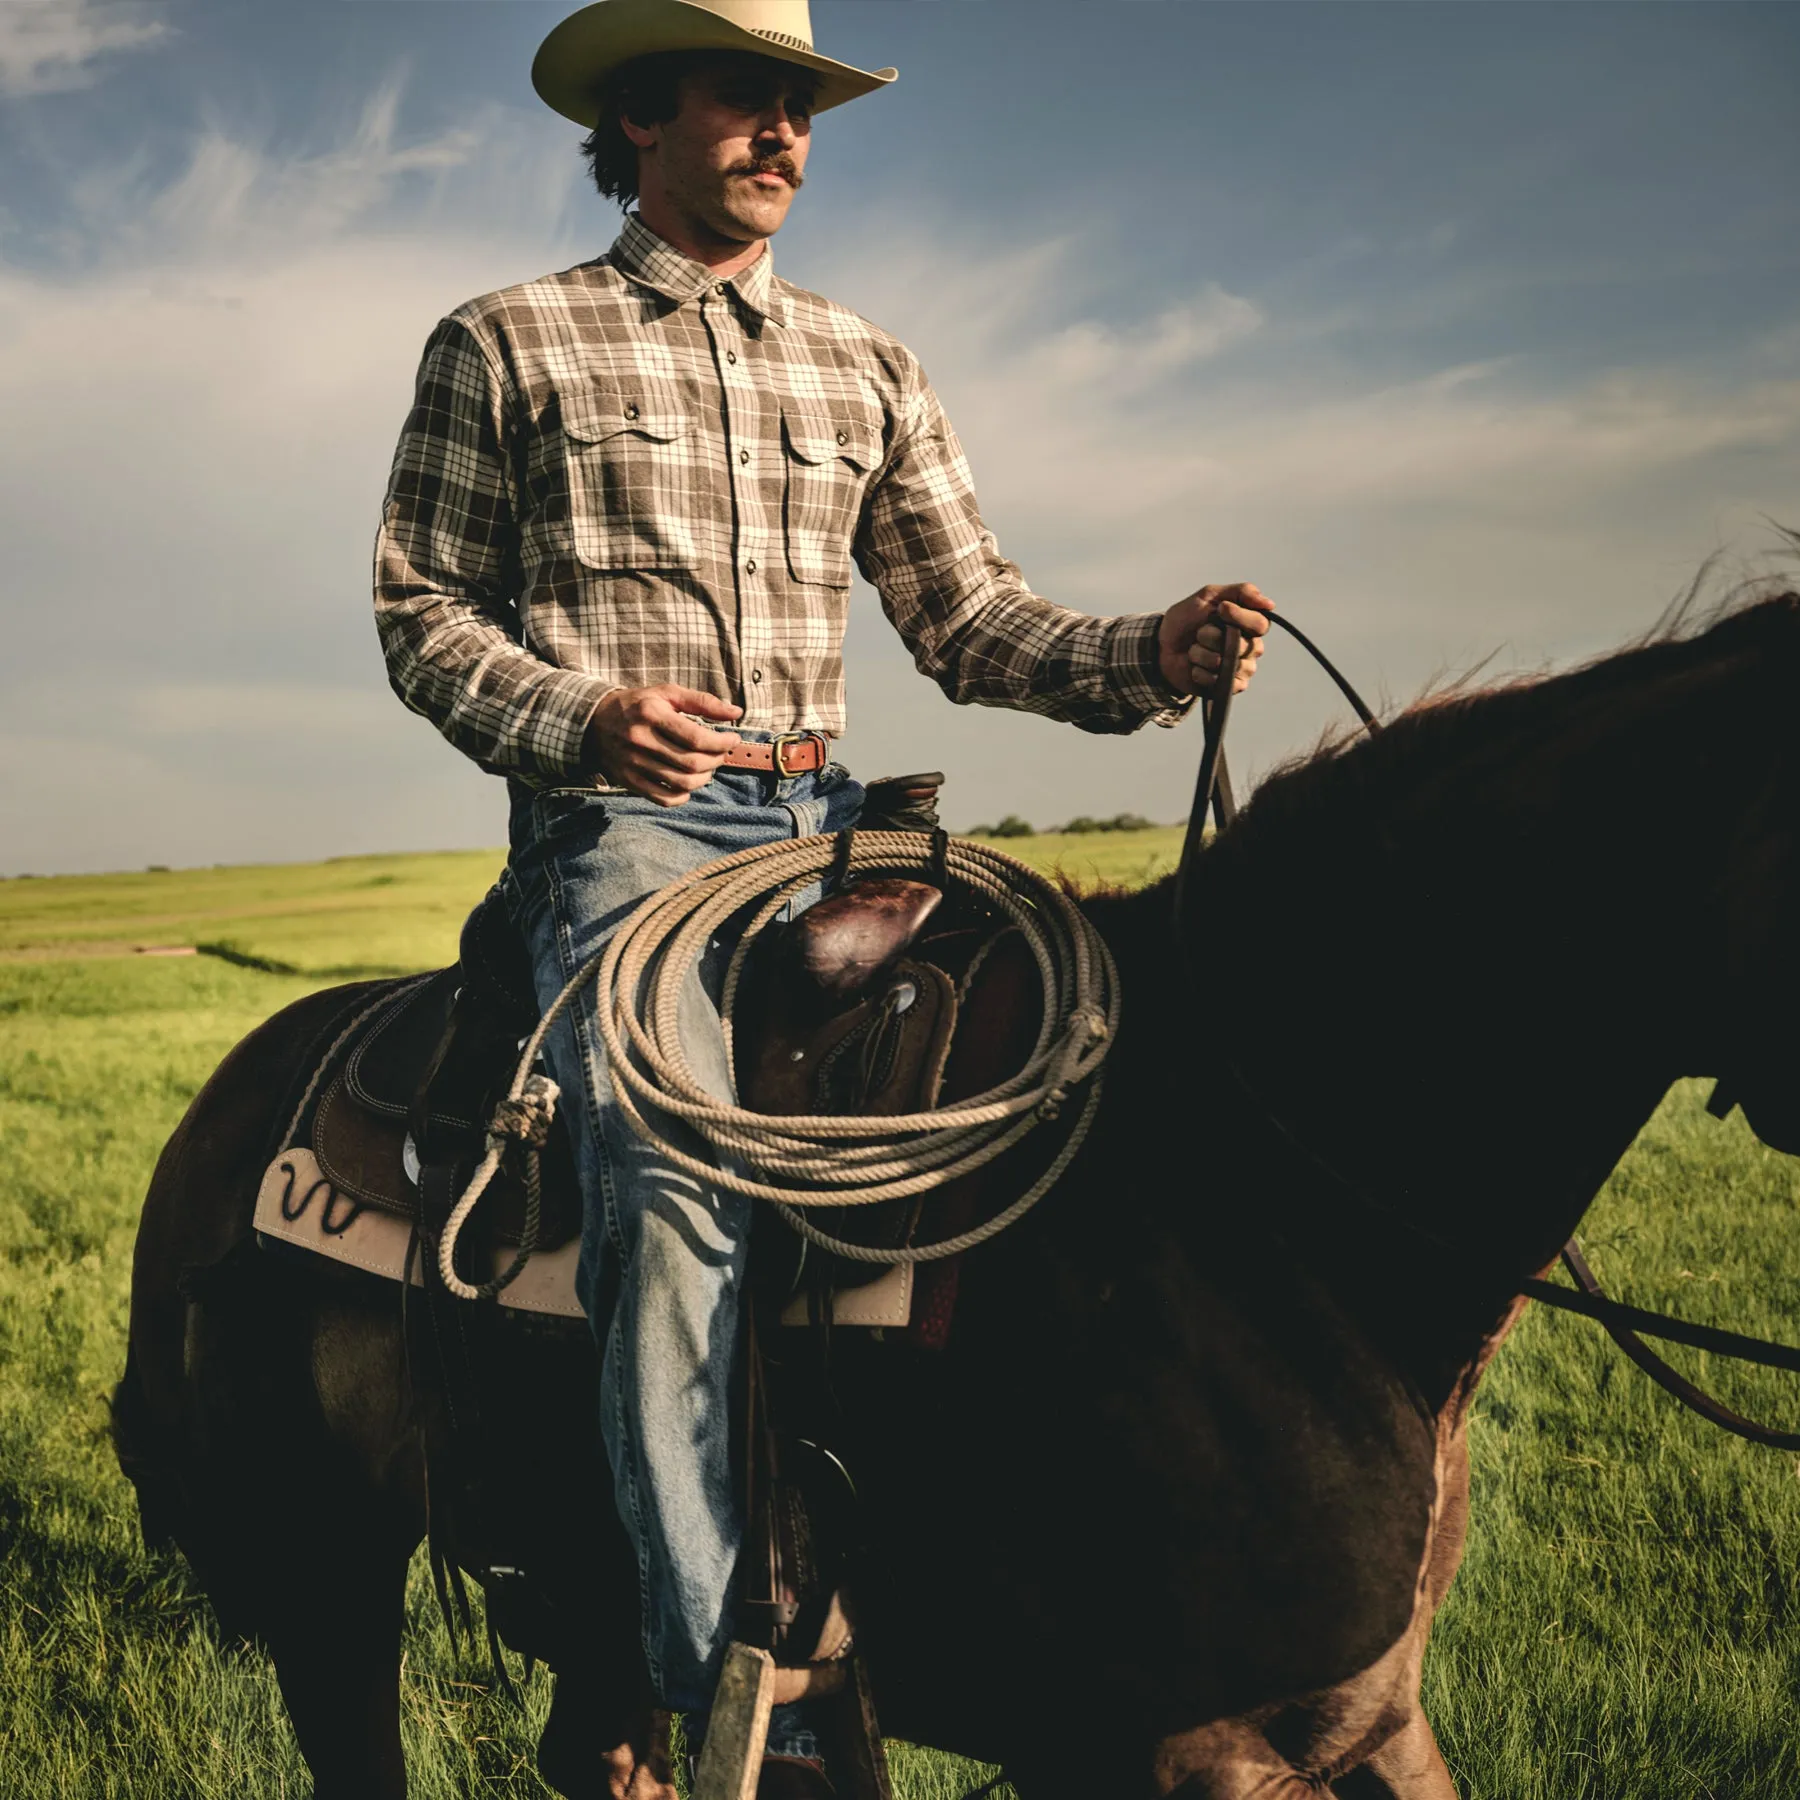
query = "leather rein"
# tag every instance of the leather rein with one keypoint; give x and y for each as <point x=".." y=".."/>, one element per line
<point x="1627" y="1326"/>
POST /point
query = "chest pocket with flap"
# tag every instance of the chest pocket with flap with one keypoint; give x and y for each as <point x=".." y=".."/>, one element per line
<point x="633" y="486"/>
<point x="829" y="453"/>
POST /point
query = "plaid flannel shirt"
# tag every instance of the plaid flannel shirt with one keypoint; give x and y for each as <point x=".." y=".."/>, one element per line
<point x="631" y="473"/>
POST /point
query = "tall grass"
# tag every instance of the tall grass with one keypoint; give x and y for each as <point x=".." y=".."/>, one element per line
<point x="1624" y="1627"/>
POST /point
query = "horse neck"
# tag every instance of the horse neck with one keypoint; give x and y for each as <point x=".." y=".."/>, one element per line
<point x="1482" y="974"/>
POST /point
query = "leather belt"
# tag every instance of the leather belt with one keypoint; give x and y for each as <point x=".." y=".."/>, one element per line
<point x="793" y="753"/>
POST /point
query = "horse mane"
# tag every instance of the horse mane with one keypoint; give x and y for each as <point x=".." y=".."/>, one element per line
<point x="1447" y="722"/>
<point x="1327" y="793"/>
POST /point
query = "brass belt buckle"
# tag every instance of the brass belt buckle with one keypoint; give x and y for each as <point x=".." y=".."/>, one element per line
<point x="796" y="737"/>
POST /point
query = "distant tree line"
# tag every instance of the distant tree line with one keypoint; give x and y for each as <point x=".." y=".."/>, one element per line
<point x="1012" y="826"/>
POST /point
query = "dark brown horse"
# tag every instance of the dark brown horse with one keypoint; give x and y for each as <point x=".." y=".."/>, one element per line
<point x="1173" y="1511"/>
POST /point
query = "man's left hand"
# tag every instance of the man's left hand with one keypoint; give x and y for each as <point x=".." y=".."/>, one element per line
<point x="1191" y="642"/>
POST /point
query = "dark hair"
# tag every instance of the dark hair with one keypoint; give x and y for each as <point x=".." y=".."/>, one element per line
<point x="647" y="91"/>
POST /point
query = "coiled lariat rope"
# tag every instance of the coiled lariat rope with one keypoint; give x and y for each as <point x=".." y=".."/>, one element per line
<point x="805" y="1160"/>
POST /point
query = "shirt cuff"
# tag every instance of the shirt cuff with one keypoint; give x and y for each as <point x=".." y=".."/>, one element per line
<point x="553" y="734"/>
<point x="1135" y="666"/>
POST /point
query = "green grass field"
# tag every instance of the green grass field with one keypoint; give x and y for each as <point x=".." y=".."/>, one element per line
<point x="1626" y="1626"/>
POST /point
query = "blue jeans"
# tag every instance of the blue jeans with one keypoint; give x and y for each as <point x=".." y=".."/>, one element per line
<point x="672" y="1248"/>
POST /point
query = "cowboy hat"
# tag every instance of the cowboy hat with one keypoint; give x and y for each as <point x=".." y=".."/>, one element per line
<point x="587" y="46"/>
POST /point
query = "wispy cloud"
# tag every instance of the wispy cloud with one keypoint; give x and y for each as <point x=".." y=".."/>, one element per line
<point x="1126" y="362"/>
<point x="233" y="203"/>
<point x="50" y="46"/>
<point x="245" y="334"/>
<point x="1416" y="525"/>
<point x="1128" y="446"/>
<point x="1470" y="438"/>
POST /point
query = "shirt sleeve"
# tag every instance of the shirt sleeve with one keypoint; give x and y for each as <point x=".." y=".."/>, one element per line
<point x="966" y="613"/>
<point x="447" y="573"/>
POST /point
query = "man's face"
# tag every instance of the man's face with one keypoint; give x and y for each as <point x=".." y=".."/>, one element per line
<point x="731" y="160"/>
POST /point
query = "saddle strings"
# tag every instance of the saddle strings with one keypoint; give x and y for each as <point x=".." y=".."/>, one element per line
<point x="798" y="1161"/>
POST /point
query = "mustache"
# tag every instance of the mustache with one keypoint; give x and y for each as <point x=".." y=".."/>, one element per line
<point x="773" y="162"/>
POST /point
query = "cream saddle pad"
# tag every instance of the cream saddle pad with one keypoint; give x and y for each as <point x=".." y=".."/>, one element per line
<point x="299" y="1205"/>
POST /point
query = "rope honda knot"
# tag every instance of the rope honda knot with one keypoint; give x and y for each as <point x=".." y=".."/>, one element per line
<point x="528" y="1118"/>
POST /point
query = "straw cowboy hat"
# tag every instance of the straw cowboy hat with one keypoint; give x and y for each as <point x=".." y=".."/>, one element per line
<point x="587" y="46"/>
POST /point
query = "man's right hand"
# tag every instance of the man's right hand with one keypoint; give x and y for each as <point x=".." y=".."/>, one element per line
<point x="643" y="740"/>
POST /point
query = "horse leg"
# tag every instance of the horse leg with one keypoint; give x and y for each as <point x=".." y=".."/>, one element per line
<point x="341" y="1505"/>
<point x="334" y="1634"/>
<point x="1407" y="1767"/>
<point x="307" y="1502"/>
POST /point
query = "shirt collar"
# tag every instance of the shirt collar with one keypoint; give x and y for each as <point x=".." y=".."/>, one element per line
<point x="645" y="258"/>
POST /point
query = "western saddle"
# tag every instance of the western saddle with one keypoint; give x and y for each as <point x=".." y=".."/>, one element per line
<point x="863" y="1004"/>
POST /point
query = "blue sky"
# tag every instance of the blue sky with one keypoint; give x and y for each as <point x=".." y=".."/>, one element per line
<point x="1465" y="330"/>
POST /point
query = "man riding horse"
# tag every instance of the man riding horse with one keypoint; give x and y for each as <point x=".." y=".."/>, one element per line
<point x="614" y="567"/>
